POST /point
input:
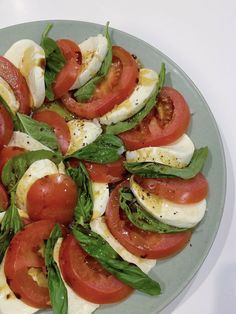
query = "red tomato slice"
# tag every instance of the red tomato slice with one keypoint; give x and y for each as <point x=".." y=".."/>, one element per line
<point x="177" y="190"/>
<point x="23" y="254"/>
<point x="87" y="277"/>
<point x="52" y="197"/>
<point x="4" y="202"/>
<point x="6" y="126"/>
<point x="106" y="173"/>
<point x="139" y="242"/>
<point x="163" y="125"/>
<point x="118" y="85"/>
<point x="18" y="84"/>
<point x="59" y="125"/>
<point x="7" y="153"/>
<point x="67" y="76"/>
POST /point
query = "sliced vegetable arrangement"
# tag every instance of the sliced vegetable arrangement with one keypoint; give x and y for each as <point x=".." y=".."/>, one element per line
<point x="98" y="176"/>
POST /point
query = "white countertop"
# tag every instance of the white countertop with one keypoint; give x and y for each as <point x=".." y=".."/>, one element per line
<point x="200" y="37"/>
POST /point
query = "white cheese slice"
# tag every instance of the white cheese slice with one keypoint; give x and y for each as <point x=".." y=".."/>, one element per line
<point x="76" y="304"/>
<point x="25" y="141"/>
<point x="100" y="198"/>
<point x="99" y="226"/>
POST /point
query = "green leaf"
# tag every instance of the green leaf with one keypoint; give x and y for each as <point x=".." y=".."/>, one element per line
<point x="140" y="217"/>
<point x="10" y="225"/>
<point x="57" y="289"/>
<point x="85" y="92"/>
<point x="15" y="167"/>
<point x="55" y="61"/>
<point x="40" y="131"/>
<point x="155" y="170"/>
<point x="105" y="149"/>
<point x="57" y="107"/>
<point x="132" y="122"/>
<point x="84" y="207"/>
<point x="126" y="272"/>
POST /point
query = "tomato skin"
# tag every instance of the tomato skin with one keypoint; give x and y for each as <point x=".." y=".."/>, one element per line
<point x="17" y="82"/>
<point x="177" y="190"/>
<point x="59" y="125"/>
<point x="151" y="133"/>
<point x="7" y="153"/>
<point x="87" y="277"/>
<point x="23" y="254"/>
<point x="141" y="243"/>
<point x="4" y="201"/>
<point x="6" y="127"/>
<point x="67" y="76"/>
<point x="52" y="197"/>
<point x="99" y="106"/>
<point x="106" y="173"/>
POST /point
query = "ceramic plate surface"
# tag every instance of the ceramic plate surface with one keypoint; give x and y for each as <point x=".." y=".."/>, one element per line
<point x="176" y="272"/>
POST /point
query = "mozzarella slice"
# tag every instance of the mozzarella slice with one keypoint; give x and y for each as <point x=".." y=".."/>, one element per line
<point x="100" y="198"/>
<point x="177" y="154"/>
<point x="25" y="141"/>
<point x="142" y="92"/>
<point x="178" y="215"/>
<point x="8" y="95"/>
<point x="9" y="304"/>
<point x="37" y="170"/>
<point x="99" y="226"/>
<point x="29" y="58"/>
<point x="82" y="132"/>
<point x="93" y="50"/>
<point x="76" y="304"/>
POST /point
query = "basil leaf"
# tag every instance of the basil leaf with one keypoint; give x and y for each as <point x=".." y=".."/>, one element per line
<point x="85" y="92"/>
<point x="57" y="107"/>
<point x="15" y="167"/>
<point x="155" y="170"/>
<point x="40" y="131"/>
<point x="140" y="217"/>
<point x="55" y="61"/>
<point x="105" y="149"/>
<point x="57" y="289"/>
<point x="132" y="122"/>
<point x="84" y="207"/>
<point x="128" y="273"/>
<point x="10" y="225"/>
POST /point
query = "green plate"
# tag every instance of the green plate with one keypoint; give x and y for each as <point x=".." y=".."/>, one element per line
<point x="176" y="272"/>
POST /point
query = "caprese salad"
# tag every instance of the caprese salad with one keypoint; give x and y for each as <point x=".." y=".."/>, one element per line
<point x="98" y="176"/>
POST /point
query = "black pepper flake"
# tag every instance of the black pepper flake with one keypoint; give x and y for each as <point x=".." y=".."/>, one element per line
<point x="148" y="194"/>
<point x="134" y="56"/>
<point x="137" y="80"/>
<point x="143" y="198"/>
<point x="41" y="129"/>
<point x="74" y="134"/>
<point x="160" y="216"/>
<point x="8" y="296"/>
<point x="28" y="142"/>
<point x="191" y="245"/>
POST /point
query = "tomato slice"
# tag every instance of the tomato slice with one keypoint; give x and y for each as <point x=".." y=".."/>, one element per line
<point x="87" y="277"/>
<point x="7" y="153"/>
<point x="59" y="125"/>
<point x="24" y="255"/>
<point x="67" y="76"/>
<point x="18" y="84"/>
<point x="6" y="126"/>
<point x="177" y="190"/>
<point x="139" y="242"/>
<point x="4" y="202"/>
<point x="106" y="173"/>
<point x="167" y="122"/>
<point x="118" y="85"/>
<point x="52" y="197"/>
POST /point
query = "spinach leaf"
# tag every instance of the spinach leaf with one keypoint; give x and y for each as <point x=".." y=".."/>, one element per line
<point x="105" y="149"/>
<point x="57" y="107"/>
<point x="38" y="130"/>
<point x="155" y="170"/>
<point x="140" y="217"/>
<point x="55" y="61"/>
<point x="85" y="92"/>
<point x="126" y="272"/>
<point x="84" y="207"/>
<point x="57" y="289"/>
<point x="139" y="116"/>
<point x="11" y="224"/>
<point x="15" y="167"/>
